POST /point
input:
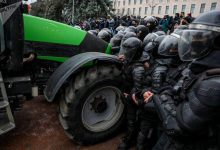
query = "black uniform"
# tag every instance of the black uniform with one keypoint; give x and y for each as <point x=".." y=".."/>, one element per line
<point x="189" y="112"/>
<point x="164" y="74"/>
<point x="134" y="73"/>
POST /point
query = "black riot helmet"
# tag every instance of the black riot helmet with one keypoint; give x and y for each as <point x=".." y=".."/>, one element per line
<point x="169" y="45"/>
<point x="104" y="35"/>
<point x="93" y="32"/>
<point x="120" y="28"/>
<point x="121" y="32"/>
<point x="128" y="35"/>
<point x="130" y="49"/>
<point x="116" y="40"/>
<point x="142" y="31"/>
<point x="152" y="36"/>
<point x="131" y="29"/>
<point x="108" y="30"/>
<point x="202" y="37"/>
<point x="151" y="22"/>
<point x="151" y="49"/>
<point x="152" y="46"/>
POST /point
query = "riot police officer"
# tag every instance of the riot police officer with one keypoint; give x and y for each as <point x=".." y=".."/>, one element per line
<point x="164" y="73"/>
<point x="116" y="42"/>
<point x="134" y="73"/>
<point x="151" y="36"/>
<point x="104" y="35"/>
<point x="150" y="44"/>
<point x="151" y="22"/>
<point x="131" y="29"/>
<point x="142" y="31"/>
<point x="190" y="113"/>
<point x="127" y="35"/>
<point x="93" y="32"/>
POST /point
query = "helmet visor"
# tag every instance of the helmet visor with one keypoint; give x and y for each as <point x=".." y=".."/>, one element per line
<point x="194" y="44"/>
<point x="169" y="46"/>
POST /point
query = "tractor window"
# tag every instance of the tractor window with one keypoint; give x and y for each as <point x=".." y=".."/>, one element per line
<point x="2" y="39"/>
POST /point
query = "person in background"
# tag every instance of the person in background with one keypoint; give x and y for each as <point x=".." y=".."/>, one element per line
<point x="111" y="23"/>
<point x="182" y="15"/>
<point x="177" y="17"/>
<point x="165" y="23"/>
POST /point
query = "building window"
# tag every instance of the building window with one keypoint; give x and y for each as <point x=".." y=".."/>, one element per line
<point x="118" y="3"/>
<point x="152" y="10"/>
<point x="168" y="1"/>
<point x="192" y="8"/>
<point x="128" y="11"/>
<point x="184" y="0"/>
<point x="139" y="13"/>
<point x="213" y="6"/>
<point x="160" y="1"/>
<point x="147" y="1"/>
<point x="124" y="2"/>
<point x="159" y="9"/>
<point x="167" y="10"/>
<point x="135" y="1"/>
<point x="176" y="0"/>
<point x="146" y="8"/>
<point x="202" y="8"/>
<point x="183" y="8"/>
<point x="174" y="9"/>
<point x="129" y="2"/>
<point x="133" y="11"/>
<point x="118" y="11"/>
<point x="141" y="1"/>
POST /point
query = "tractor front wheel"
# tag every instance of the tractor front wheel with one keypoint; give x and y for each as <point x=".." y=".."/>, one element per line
<point x="91" y="109"/>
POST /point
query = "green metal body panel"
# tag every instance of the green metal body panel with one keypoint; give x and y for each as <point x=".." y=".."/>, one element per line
<point x="108" y="50"/>
<point x="53" y="58"/>
<point x="39" y="30"/>
<point x="43" y="30"/>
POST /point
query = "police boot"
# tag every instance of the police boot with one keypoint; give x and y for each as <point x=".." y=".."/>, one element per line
<point x="129" y="138"/>
<point x="141" y="145"/>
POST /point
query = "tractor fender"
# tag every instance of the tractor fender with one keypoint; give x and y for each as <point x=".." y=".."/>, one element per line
<point x="71" y="66"/>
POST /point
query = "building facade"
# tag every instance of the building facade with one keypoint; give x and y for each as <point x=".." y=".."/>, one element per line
<point x="160" y="8"/>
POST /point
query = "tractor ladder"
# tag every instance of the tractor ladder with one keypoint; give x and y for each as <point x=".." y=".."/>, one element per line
<point x="6" y="118"/>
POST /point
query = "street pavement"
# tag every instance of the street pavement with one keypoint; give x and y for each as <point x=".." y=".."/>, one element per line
<point x="38" y="128"/>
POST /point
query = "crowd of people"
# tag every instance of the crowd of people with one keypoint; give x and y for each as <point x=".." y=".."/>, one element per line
<point x="172" y="80"/>
<point x="167" y="23"/>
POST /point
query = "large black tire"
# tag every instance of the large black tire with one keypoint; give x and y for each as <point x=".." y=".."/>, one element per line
<point x="76" y="100"/>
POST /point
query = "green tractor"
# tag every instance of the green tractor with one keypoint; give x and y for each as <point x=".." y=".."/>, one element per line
<point x="71" y="66"/>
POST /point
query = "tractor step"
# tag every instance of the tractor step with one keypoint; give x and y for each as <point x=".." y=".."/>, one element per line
<point x="6" y="127"/>
<point x="6" y="118"/>
<point x="3" y="104"/>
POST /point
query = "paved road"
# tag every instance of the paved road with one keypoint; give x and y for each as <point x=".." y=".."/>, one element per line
<point x="38" y="128"/>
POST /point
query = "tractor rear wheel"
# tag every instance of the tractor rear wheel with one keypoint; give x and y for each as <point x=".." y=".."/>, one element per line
<point x="92" y="109"/>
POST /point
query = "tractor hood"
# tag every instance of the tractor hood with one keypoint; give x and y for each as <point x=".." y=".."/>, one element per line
<point x="55" y="41"/>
